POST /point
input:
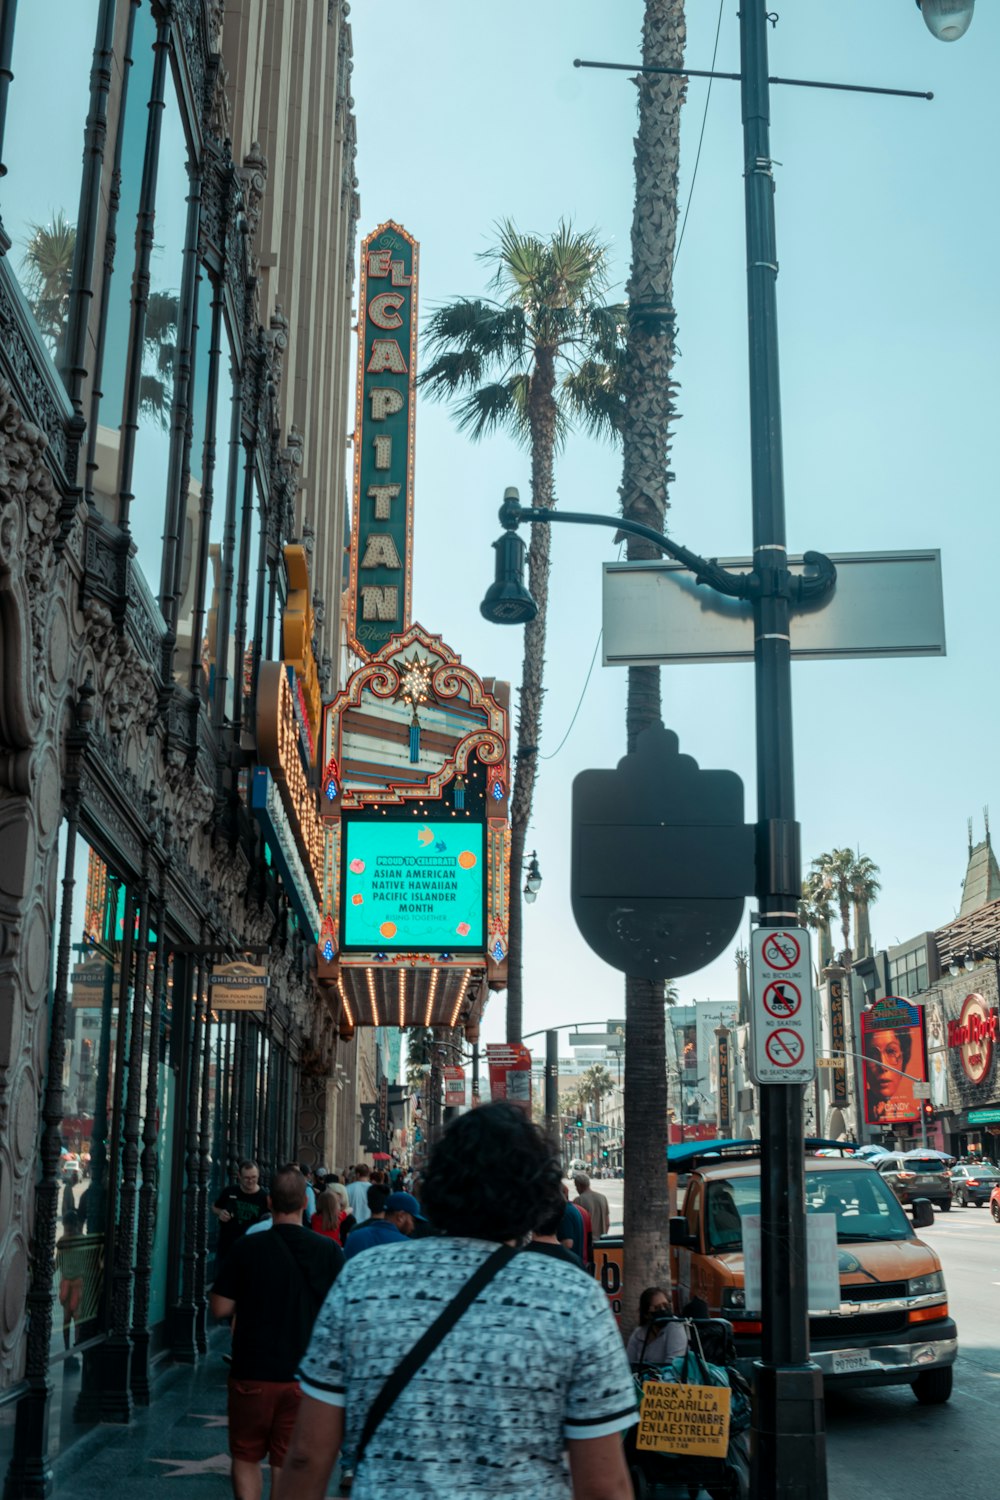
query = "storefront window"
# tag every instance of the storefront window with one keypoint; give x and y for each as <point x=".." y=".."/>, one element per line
<point x="46" y="117"/>
<point x="223" y="550"/>
<point x="93" y="1039"/>
<point x="159" y="354"/>
<point x="191" y="533"/>
<point x="119" y="309"/>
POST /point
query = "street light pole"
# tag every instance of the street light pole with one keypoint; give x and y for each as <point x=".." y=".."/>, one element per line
<point x="788" y="1451"/>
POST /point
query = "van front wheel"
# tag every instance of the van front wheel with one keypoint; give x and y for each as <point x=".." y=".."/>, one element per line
<point x="933" y="1387"/>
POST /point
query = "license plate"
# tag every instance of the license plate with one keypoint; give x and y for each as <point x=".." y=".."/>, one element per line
<point x="847" y="1364"/>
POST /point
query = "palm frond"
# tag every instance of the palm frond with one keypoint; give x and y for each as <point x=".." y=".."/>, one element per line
<point x="451" y="372"/>
<point x="486" y="328"/>
<point x="491" y="408"/>
<point x="606" y="328"/>
<point x="154" y="399"/>
<point x="595" y="395"/>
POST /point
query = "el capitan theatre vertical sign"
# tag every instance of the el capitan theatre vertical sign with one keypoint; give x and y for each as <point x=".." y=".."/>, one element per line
<point x="382" y="519"/>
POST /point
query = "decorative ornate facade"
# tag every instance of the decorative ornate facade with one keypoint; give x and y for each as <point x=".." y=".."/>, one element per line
<point x="173" y="383"/>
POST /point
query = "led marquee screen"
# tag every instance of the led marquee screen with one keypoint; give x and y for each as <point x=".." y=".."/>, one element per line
<point x="412" y="887"/>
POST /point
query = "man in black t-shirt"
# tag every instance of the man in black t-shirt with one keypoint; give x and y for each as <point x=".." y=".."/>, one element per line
<point x="237" y="1207"/>
<point x="273" y="1285"/>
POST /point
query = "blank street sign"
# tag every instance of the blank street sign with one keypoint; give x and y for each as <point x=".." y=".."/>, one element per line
<point x="883" y="604"/>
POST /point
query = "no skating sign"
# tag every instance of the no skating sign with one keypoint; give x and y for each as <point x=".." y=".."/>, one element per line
<point x="783" y="1046"/>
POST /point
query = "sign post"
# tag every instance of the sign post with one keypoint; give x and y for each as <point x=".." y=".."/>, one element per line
<point x="782" y="1026"/>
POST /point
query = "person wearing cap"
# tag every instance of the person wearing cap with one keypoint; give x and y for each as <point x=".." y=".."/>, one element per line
<point x="403" y="1210"/>
<point x="383" y="1226"/>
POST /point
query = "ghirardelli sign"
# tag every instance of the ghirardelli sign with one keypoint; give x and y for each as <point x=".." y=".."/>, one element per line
<point x="973" y="1037"/>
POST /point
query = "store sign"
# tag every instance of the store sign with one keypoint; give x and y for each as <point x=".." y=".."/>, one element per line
<point x="974" y="1035"/>
<point x="89" y="982"/>
<point x="725" y="1112"/>
<point x="371" y="1134"/>
<point x="454" y="1086"/>
<point x="510" y="1073"/>
<point x="267" y="804"/>
<point x="412" y="886"/>
<point x="892" y="1041"/>
<point x="238" y="986"/>
<point x="838" y="1041"/>
<point x="382" y="529"/>
<point x="278" y="748"/>
<point x="297" y="630"/>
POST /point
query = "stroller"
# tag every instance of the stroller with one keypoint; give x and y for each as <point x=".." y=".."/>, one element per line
<point x="711" y="1360"/>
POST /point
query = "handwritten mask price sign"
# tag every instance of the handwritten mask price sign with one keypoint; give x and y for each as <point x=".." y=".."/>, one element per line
<point x="684" y="1419"/>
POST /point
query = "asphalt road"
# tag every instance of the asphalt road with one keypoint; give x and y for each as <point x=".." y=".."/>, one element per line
<point x="883" y="1443"/>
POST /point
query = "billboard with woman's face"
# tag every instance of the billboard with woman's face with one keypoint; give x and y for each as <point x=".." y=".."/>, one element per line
<point x="892" y="1040"/>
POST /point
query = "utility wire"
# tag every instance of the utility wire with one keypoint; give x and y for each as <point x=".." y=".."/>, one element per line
<point x="579" y="704"/>
<point x="701" y="137"/>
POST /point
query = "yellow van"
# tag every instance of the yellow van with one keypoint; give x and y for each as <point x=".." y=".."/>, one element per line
<point x="892" y="1325"/>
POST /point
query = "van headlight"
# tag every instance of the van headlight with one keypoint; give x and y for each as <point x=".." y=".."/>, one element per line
<point x="926" y="1286"/>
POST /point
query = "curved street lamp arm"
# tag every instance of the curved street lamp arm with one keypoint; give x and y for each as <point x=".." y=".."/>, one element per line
<point x="800" y="590"/>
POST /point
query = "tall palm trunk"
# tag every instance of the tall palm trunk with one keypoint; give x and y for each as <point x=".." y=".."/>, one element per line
<point x="542" y="419"/>
<point x="646" y="442"/>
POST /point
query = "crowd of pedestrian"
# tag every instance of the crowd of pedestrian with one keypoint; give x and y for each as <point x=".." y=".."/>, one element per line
<point x="383" y="1306"/>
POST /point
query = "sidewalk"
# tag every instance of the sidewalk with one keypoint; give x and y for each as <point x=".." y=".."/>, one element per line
<point x="182" y="1436"/>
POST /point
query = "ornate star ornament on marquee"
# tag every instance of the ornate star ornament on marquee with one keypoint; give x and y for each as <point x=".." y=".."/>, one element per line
<point x="414" y="689"/>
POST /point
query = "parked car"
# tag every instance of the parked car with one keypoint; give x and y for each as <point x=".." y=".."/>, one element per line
<point x="891" y="1325"/>
<point x="995" y="1202"/>
<point x="70" y="1168"/>
<point x="912" y="1175"/>
<point x="973" y="1182"/>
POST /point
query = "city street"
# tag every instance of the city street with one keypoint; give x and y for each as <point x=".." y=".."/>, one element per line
<point x="879" y="1441"/>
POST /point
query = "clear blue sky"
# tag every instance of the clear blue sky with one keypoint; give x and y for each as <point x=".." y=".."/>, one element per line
<point x="889" y="311"/>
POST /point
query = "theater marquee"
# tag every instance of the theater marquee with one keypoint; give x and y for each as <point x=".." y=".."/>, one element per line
<point x="382" y="514"/>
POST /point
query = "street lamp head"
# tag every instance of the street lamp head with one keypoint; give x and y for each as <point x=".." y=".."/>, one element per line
<point x="529" y="895"/>
<point x="533" y="883"/>
<point x="947" y="19"/>
<point x="507" y="601"/>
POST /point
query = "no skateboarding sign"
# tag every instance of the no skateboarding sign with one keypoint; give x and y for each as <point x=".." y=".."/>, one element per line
<point x="783" y="1048"/>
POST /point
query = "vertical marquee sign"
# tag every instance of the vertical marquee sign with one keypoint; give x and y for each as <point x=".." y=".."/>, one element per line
<point x="382" y="520"/>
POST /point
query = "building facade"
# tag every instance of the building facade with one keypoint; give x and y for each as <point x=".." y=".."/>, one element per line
<point x="179" y="215"/>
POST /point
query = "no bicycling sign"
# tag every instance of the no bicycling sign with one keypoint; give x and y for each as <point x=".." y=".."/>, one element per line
<point x="783" y="1048"/>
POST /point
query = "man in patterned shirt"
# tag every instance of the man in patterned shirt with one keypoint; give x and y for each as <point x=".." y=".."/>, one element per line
<point x="527" y="1395"/>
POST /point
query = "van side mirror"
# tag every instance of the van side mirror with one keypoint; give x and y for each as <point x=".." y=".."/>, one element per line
<point x="680" y="1235"/>
<point x="923" y="1213"/>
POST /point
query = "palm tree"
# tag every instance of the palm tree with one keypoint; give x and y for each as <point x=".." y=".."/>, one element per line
<point x="47" y="274"/>
<point x="419" y="1046"/>
<point x="159" y="354"/>
<point x="816" y="911"/>
<point x="649" y="413"/>
<point x="850" y="879"/>
<point x="545" y="353"/>
<point x="595" y="1083"/>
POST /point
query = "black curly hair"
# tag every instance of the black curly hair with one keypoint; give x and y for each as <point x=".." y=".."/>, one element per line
<point x="492" y="1176"/>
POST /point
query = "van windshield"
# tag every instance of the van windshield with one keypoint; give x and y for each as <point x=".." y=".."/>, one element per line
<point x="864" y="1206"/>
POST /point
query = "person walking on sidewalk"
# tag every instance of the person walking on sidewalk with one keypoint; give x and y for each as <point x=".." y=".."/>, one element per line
<point x="273" y="1285"/>
<point x="237" y="1207"/>
<point x="458" y="1367"/>
<point x="357" y="1192"/>
<point x="595" y="1203"/>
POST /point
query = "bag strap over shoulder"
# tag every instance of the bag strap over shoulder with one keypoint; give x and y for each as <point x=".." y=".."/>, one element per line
<point x="428" y="1342"/>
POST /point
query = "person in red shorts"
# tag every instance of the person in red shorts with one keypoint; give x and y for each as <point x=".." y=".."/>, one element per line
<point x="272" y="1285"/>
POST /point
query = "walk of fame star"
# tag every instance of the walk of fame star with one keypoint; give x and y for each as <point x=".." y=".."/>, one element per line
<point x="185" y="1468"/>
